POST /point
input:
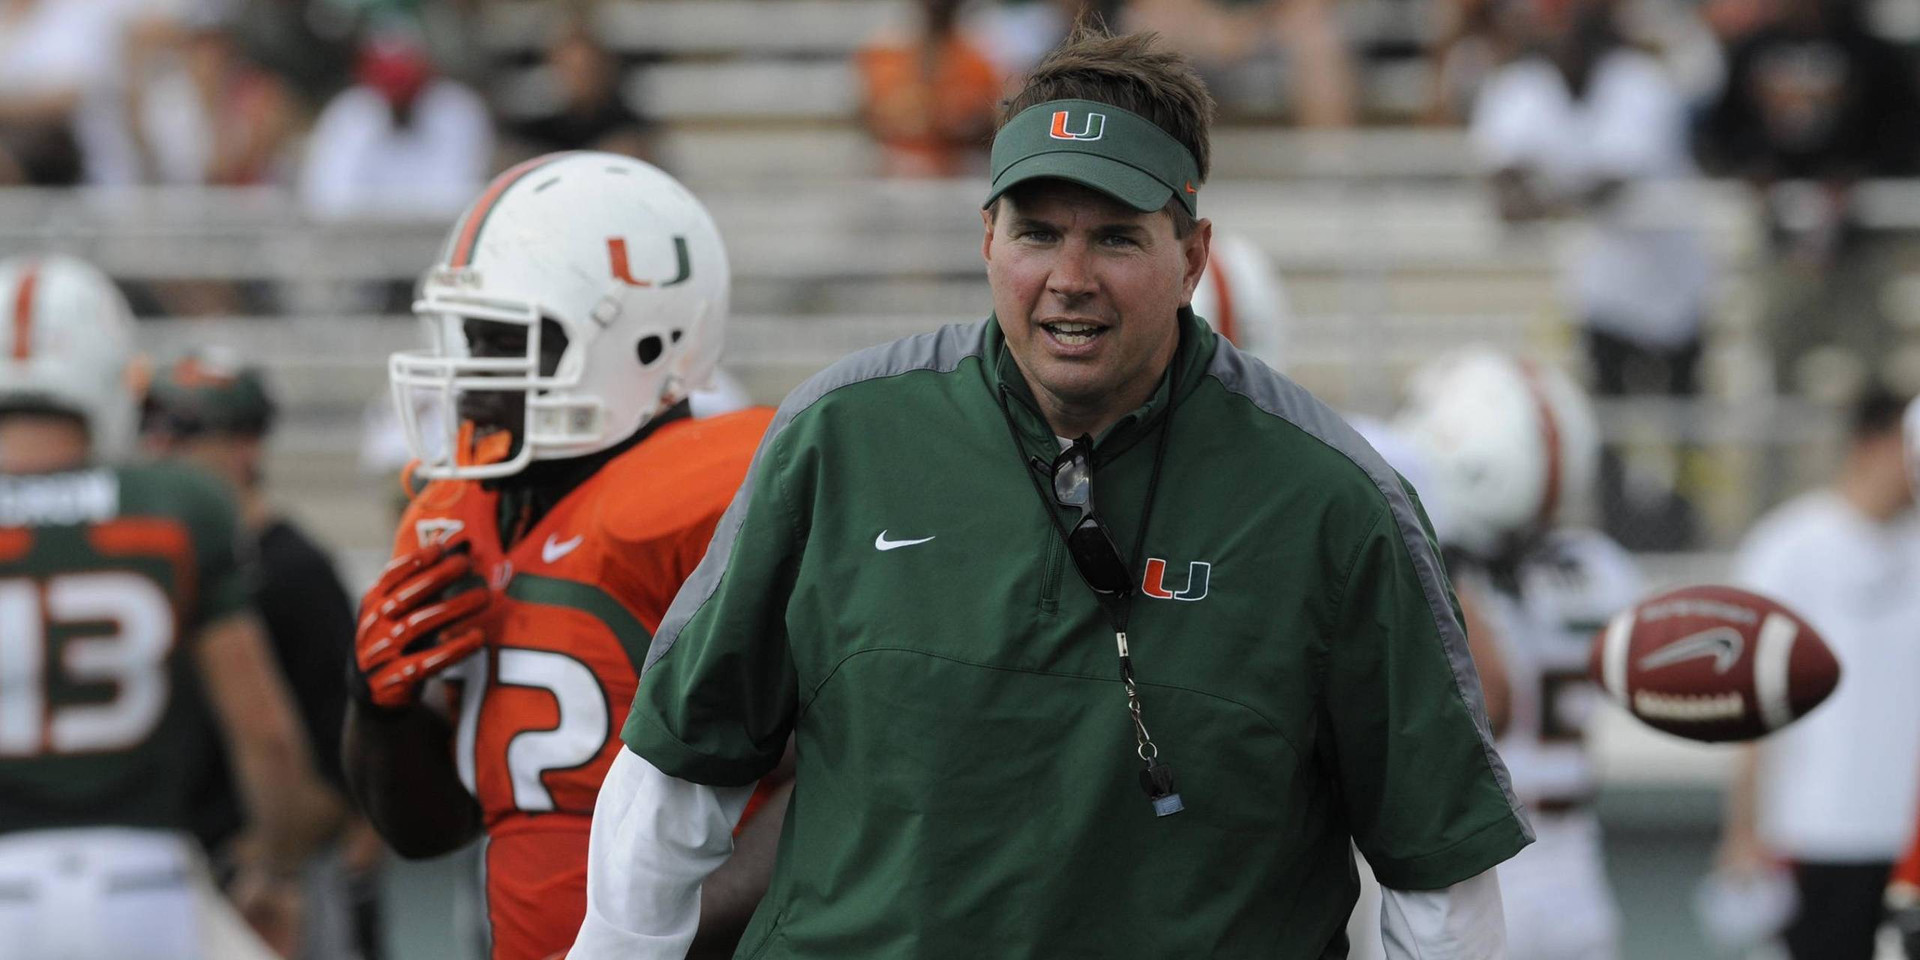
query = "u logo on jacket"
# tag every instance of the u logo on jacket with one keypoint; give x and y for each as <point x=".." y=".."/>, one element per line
<point x="1199" y="573"/>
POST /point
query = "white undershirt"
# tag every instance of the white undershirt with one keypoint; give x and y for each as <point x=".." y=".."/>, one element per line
<point x="656" y="837"/>
<point x="1843" y="783"/>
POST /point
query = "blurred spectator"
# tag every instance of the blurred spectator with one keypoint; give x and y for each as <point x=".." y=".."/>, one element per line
<point x="1015" y="34"/>
<point x="207" y="410"/>
<point x="308" y="43"/>
<point x="1677" y="33"/>
<point x="203" y="112"/>
<point x="1733" y="21"/>
<point x="1475" y="38"/>
<point x="400" y="142"/>
<point x="199" y="112"/>
<point x="59" y="116"/>
<point x="930" y="100"/>
<point x="1813" y="96"/>
<point x="1589" y="127"/>
<point x="1834" y="796"/>
<point x="1322" y="79"/>
<point x="588" y="111"/>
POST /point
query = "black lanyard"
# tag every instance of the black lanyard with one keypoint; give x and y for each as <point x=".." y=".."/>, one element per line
<point x="1156" y="779"/>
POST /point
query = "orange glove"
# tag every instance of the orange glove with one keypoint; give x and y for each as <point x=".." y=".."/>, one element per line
<point x="412" y="627"/>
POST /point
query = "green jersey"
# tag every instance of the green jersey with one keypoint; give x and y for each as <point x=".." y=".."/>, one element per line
<point x="106" y="577"/>
<point x="888" y="589"/>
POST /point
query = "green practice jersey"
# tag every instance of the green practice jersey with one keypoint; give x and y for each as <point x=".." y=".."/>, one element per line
<point x="888" y="589"/>
<point x="106" y="577"/>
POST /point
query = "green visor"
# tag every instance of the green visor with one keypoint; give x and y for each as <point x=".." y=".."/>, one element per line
<point x="1098" y="145"/>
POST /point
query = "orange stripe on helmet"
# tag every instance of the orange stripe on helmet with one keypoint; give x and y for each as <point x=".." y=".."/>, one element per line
<point x="23" y="303"/>
<point x="1549" y="438"/>
<point x="1223" y="299"/>
<point x="462" y="254"/>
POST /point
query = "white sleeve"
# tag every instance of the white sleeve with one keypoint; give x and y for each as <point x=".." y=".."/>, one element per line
<point x="1640" y="121"/>
<point x="1776" y="562"/>
<point x="330" y="172"/>
<point x="655" y="839"/>
<point x="1461" y="922"/>
<point x="1513" y="124"/>
<point x="460" y="138"/>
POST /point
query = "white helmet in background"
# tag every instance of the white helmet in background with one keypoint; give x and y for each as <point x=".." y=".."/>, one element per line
<point x="66" y="344"/>
<point x="1511" y="447"/>
<point x="1910" y="439"/>
<point x="1241" y="297"/>
<point x="1406" y="458"/>
<point x="621" y="257"/>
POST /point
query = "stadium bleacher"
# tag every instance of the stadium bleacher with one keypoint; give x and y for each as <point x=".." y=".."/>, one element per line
<point x="1382" y="267"/>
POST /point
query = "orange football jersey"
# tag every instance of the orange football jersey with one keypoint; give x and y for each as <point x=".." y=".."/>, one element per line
<point x="1906" y="874"/>
<point x="576" y="603"/>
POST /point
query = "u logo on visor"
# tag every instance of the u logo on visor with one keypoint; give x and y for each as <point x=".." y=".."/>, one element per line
<point x="1092" y="128"/>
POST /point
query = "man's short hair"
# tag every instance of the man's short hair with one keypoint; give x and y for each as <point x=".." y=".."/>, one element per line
<point x="1136" y="73"/>
<point x="1876" y="413"/>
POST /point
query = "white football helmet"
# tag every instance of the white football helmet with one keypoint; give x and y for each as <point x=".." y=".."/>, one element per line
<point x="617" y="253"/>
<point x="66" y="343"/>
<point x="1511" y="447"/>
<point x="1241" y="296"/>
<point x="1910" y="440"/>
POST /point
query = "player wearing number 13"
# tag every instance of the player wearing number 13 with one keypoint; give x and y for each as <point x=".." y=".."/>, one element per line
<point x="575" y="307"/>
<point x="119" y="590"/>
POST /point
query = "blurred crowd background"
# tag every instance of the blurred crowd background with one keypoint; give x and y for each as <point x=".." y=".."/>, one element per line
<point x="1700" y="206"/>
<point x="1714" y="226"/>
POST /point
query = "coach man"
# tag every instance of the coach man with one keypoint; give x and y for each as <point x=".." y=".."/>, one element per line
<point x="1096" y="638"/>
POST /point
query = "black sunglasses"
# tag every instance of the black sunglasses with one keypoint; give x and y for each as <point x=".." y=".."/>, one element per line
<point x="1092" y="547"/>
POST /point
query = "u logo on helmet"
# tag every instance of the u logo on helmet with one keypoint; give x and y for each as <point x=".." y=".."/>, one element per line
<point x="1091" y="128"/>
<point x="617" y="254"/>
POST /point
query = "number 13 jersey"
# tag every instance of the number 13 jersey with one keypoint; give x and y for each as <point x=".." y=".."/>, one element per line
<point x="576" y="602"/>
<point x="106" y="578"/>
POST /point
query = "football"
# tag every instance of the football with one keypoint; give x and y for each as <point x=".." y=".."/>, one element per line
<point x="1713" y="664"/>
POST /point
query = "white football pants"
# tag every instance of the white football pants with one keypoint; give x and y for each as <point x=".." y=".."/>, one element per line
<point x="112" y="893"/>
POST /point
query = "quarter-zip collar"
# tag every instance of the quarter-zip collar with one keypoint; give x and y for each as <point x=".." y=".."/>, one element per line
<point x="1190" y="357"/>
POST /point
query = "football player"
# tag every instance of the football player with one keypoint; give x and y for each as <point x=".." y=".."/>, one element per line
<point x="207" y="409"/>
<point x="575" y="306"/>
<point x="1510" y="449"/>
<point x="121" y="592"/>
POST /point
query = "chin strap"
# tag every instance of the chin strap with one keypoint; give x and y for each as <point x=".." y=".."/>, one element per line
<point x="468" y="450"/>
<point x="411" y="486"/>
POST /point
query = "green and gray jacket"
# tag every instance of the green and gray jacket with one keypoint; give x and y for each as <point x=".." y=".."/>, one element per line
<point x="967" y="784"/>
